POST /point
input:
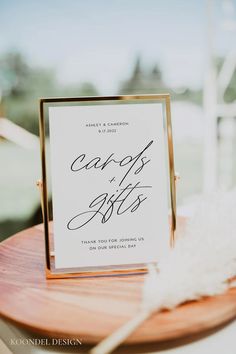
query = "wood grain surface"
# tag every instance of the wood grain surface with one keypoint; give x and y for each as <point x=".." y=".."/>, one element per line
<point x="91" y="308"/>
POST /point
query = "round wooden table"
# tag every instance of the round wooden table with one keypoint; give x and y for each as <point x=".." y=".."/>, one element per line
<point x="92" y="308"/>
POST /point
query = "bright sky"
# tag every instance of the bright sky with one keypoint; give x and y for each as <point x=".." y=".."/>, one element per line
<point x="98" y="40"/>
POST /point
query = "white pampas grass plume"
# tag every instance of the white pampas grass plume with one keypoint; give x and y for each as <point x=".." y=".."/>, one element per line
<point x="201" y="264"/>
<point x="203" y="260"/>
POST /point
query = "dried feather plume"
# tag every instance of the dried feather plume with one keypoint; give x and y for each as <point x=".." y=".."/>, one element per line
<point x="201" y="264"/>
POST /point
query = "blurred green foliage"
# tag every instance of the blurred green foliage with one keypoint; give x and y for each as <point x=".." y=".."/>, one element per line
<point x="22" y="85"/>
<point x="230" y="93"/>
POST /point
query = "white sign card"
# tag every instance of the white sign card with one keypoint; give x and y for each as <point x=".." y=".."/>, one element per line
<point x="110" y="183"/>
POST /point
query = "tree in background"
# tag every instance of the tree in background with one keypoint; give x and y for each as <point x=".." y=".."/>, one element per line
<point x="14" y="73"/>
<point x="22" y="85"/>
<point x="151" y="81"/>
<point x="141" y="81"/>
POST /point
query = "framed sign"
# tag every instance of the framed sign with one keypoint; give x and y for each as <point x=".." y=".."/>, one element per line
<point x="108" y="164"/>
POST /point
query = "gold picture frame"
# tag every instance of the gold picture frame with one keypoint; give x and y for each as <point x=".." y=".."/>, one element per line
<point x="51" y="272"/>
